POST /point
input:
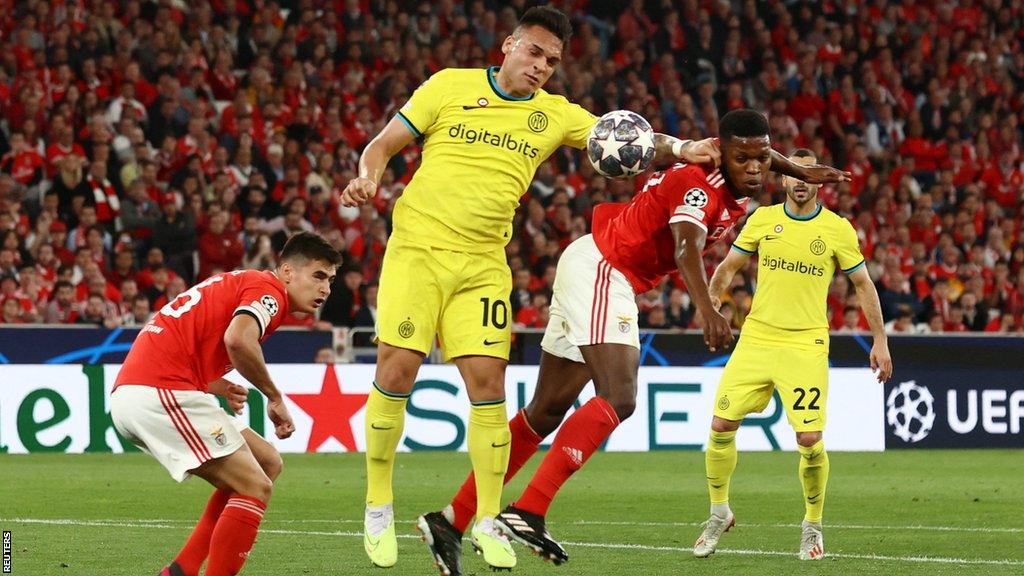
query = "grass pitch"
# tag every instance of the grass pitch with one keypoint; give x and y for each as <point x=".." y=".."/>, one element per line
<point x="901" y="512"/>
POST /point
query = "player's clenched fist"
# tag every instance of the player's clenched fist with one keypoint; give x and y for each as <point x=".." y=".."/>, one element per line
<point x="717" y="331"/>
<point x="358" y="191"/>
<point x="236" y="397"/>
<point x="282" y="419"/>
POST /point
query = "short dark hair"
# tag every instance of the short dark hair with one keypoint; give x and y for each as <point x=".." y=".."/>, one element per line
<point x="551" y="19"/>
<point x="310" y="246"/>
<point x="742" y="123"/>
<point x="804" y="153"/>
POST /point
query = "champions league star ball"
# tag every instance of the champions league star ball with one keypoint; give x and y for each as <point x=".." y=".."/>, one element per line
<point x="621" y="144"/>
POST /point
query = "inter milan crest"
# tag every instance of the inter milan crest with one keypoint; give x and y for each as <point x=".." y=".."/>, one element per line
<point x="406" y="329"/>
<point x="538" y="122"/>
<point x="696" y="198"/>
<point x="818" y="247"/>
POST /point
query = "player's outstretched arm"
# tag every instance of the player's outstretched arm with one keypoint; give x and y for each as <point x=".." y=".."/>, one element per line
<point x="689" y="239"/>
<point x="881" y="362"/>
<point x="722" y="278"/>
<point x="374" y="160"/>
<point x="668" y="150"/>
<point x="242" y="340"/>
<point x="811" y="173"/>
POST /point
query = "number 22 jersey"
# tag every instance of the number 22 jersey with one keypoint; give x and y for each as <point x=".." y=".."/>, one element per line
<point x="182" y="347"/>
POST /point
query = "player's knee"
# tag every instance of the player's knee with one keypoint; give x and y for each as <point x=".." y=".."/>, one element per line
<point x="396" y="378"/>
<point x="544" y="419"/>
<point x="487" y="389"/>
<point x="272" y="465"/>
<point x="259" y="486"/>
<point x="808" y="439"/>
<point x="623" y="406"/>
<point x="723" y="425"/>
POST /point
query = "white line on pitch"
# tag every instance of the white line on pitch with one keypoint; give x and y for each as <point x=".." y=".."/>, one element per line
<point x="168" y="523"/>
<point x="853" y="556"/>
<point x="829" y="526"/>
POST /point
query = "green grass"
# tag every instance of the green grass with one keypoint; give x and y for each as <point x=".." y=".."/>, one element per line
<point x="126" y="517"/>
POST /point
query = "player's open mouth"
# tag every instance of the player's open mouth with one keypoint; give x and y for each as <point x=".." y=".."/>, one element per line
<point x="533" y="80"/>
<point x="318" y="302"/>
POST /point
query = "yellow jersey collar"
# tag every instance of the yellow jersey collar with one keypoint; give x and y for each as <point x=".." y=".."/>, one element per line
<point x="491" y="72"/>
<point x="810" y="216"/>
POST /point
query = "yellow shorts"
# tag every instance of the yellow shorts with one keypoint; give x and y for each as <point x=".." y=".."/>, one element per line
<point x="754" y="369"/>
<point x="460" y="297"/>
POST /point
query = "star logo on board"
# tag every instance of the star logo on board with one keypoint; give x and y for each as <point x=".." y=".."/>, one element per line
<point x="332" y="411"/>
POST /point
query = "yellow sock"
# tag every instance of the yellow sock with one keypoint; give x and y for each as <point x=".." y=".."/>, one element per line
<point x="814" y="478"/>
<point x="385" y="420"/>
<point x="720" y="462"/>
<point x="490" y="443"/>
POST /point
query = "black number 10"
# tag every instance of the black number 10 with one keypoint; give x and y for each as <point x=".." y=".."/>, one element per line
<point x="497" y="313"/>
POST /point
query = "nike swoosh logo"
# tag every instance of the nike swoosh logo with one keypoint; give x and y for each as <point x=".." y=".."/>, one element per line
<point x="493" y="445"/>
<point x="770" y="237"/>
<point x="472" y="107"/>
<point x="492" y="343"/>
<point x="809" y="421"/>
<point x="375" y="427"/>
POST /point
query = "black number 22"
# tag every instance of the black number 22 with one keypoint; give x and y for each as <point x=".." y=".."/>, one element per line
<point x="813" y="405"/>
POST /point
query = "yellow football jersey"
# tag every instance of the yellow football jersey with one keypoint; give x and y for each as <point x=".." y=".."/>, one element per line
<point x="797" y="257"/>
<point x="481" y="150"/>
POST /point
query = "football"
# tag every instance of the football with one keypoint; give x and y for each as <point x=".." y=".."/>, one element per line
<point x="621" y="144"/>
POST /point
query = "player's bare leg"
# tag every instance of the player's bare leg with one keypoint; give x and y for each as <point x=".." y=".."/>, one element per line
<point x="559" y="384"/>
<point x="814" y="469"/>
<point x="197" y="548"/>
<point x="266" y="455"/>
<point x="613" y="368"/>
<point x="385" y="421"/>
<point x="246" y="489"/>
<point x="720" y="462"/>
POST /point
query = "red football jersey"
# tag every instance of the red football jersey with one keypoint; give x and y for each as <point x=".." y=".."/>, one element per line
<point x="636" y="238"/>
<point x="182" y="347"/>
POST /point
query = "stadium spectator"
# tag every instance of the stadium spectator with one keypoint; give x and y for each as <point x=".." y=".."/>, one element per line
<point x="930" y="127"/>
<point x="219" y="248"/>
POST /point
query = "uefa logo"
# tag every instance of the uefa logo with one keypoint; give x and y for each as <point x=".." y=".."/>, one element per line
<point x="910" y="411"/>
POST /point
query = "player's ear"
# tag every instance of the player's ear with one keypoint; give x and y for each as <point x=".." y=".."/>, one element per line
<point x="506" y="46"/>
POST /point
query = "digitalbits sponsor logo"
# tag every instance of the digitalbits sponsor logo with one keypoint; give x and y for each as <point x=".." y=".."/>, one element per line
<point x="910" y="411"/>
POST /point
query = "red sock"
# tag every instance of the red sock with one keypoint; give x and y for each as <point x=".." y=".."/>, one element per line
<point x="579" y="437"/>
<point x="192" y="555"/>
<point x="234" y="535"/>
<point x="524" y="445"/>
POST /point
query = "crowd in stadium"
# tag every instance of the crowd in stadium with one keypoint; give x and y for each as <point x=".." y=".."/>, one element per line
<point x="148" y="145"/>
